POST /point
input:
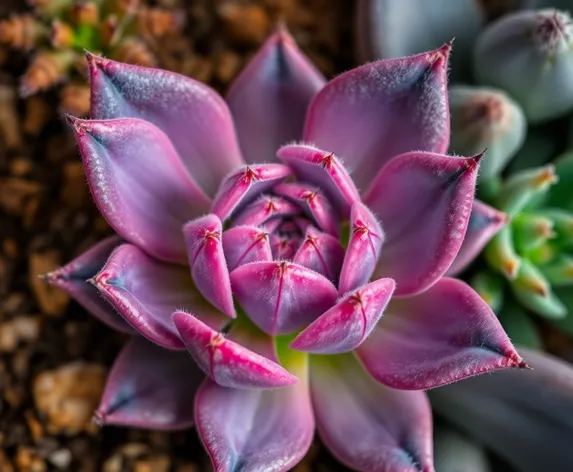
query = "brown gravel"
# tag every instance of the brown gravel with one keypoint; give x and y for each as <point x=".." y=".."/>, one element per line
<point x="53" y="355"/>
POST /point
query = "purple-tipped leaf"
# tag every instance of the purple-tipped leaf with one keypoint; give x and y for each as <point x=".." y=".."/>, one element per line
<point x="270" y="97"/>
<point x="194" y="117"/>
<point x="313" y="202"/>
<point x="255" y="430"/>
<point x="264" y="209"/>
<point x="281" y="297"/>
<point x="150" y="387"/>
<point x="246" y="184"/>
<point x="372" y="113"/>
<point x="226" y="362"/>
<point x="524" y="417"/>
<point x="443" y="335"/>
<point x="366" y="425"/>
<point x="139" y="183"/>
<point x="146" y="292"/>
<point x="484" y="224"/>
<point x="323" y="169"/>
<point x="73" y="279"/>
<point x="363" y="251"/>
<point x="320" y="252"/>
<point x="207" y="261"/>
<point x="347" y="324"/>
<point x="424" y="203"/>
<point x="244" y="244"/>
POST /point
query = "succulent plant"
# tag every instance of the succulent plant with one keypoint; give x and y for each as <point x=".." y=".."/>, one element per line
<point x="526" y="418"/>
<point x="58" y="32"/>
<point x="257" y="277"/>
<point x="530" y="55"/>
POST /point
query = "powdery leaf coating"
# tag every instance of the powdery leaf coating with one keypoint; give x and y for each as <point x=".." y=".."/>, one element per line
<point x="139" y="183"/>
<point x="270" y="97"/>
<point x="525" y="417"/>
<point x="366" y="425"/>
<point x="348" y="323"/>
<point x="265" y="208"/>
<point x="146" y="292"/>
<point x="194" y="117"/>
<point x="423" y="202"/>
<point x="256" y="430"/>
<point x="443" y="335"/>
<point x="244" y="244"/>
<point x="314" y="204"/>
<point x="226" y="362"/>
<point x="323" y="169"/>
<point x="150" y="387"/>
<point x="281" y="297"/>
<point x="246" y="184"/>
<point x="372" y="113"/>
<point x="363" y="251"/>
<point x="320" y="252"/>
<point x="73" y="279"/>
<point x="483" y="225"/>
<point x="207" y="261"/>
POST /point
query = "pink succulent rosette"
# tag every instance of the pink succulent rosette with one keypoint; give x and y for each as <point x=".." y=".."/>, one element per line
<point x="281" y="257"/>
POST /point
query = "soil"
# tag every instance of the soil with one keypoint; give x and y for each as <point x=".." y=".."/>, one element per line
<point x="53" y="355"/>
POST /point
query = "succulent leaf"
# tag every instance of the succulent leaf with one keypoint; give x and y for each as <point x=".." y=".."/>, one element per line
<point x="139" y="183"/>
<point x="347" y="324"/>
<point x="372" y="113"/>
<point x="410" y="350"/>
<point x="146" y="292"/>
<point x="270" y="97"/>
<point x="423" y="202"/>
<point x="193" y="116"/>
<point x="150" y="387"/>
<point x="366" y="425"/>
<point x="226" y="362"/>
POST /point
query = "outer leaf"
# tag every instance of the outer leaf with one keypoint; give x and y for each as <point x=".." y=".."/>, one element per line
<point x="372" y="113"/>
<point x="207" y="261"/>
<point x="73" y="279"/>
<point x="324" y="170"/>
<point x="259" y="430"/>
<point x="366" y="425"/>
<point x="348" y="323"/>
<point x="244" y="244"/>
<point x="445" y="334"/>
<point x="363" y="249"/>
<point x="483" y="225"/>
<point x="226" y="362"/>
<point x="139" y="183"/>
<point x="424" y="202"/>
<point x="146" y="292"/>
<point x="322" y="253"/>
<point x="525" y="417"/>
<point x="281" y="297"/>
<point x="246" y="184"/>
<point x="194" y="117"/>
<point x="150" y="387"/>
<point x="270" y="97"/>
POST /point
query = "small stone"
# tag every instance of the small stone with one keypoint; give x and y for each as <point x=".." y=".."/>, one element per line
<point x="21" y="329"/>
<point x="159" y="463"/>
<point x="26" y="460"/>
<point x="20" y="166"/>
<point x="245" y="24"/>
<point x="5" y="464"/>
<point x="68" y="396"/>
<point x="34" y="425"/>
<point x="61" y="458"/>
<point x="51" y="300"/>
